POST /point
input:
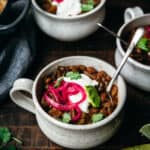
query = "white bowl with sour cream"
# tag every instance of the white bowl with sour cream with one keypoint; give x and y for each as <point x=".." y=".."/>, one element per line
<point x="69" y="28"/>
<point x="70" y="135"/>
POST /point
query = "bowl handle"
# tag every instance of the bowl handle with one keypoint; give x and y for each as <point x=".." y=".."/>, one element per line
<point x="132" y="13"/>
<point x="21" y="94"/>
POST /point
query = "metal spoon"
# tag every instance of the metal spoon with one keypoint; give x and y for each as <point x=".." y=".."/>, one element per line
<point x="138" y="34"/>
<point x="112" y="33"/>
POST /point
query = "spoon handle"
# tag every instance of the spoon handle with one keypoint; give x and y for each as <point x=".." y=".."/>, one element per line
<point x="138" y="34"/>
<point x="112" y="33"/>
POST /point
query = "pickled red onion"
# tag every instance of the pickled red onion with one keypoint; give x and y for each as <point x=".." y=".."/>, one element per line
<point x="147" y="34"/>
<point x="147" y="28"/>
<point x="57" y="105"/>
<point x="62" y="95"/>
<point x="78" y="116"/>
<point x="77" y="89"/>
<point x="58" y="1"/>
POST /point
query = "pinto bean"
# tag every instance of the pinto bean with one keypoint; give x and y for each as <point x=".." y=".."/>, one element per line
<point x="84" y="1"/>
<point x="84" y="119"/>
<point x="91" y="70"/>
<point x="82" y="67"/>
<point x="104" y="111"/>
<point x="52" y="9"/>
<point x="115" y="102"/>
<point x="109" y="110"/>
<point x="100" y="87"/>
<point x="74" y="68"/>
<point x="92" y="76"/>
<point x="108" y="78"/>
<point x="55" y="113"/>
<point x="96" y="2"/>
<point x="59" y="73"/>
<point x="47" y="80"/>
<point x="114" y="91"/>
<point x="44" y="103"/>
<point x="94" y="110"/>
<point x="108" y="104"/>
<point x="61" y="68"/>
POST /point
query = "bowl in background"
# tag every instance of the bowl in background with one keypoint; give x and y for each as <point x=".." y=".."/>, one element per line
<point x="69" y="28"/>
<point x="24" y="5"/>
<point x="134" y="72"/>
<point x="69" y="135"/>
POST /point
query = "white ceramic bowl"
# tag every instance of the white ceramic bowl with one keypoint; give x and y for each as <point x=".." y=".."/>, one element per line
<point x="134" y="72"/>
<point x="69" y="28"/>
<point x="68" y="135"/>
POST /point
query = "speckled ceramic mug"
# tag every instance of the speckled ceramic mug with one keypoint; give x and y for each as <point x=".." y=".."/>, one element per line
<point x="68" y="135"/>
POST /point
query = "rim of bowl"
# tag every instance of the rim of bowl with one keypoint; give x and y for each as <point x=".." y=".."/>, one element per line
<point x="38" y="8"/>
<point x="74" y="126"/>
<point x="119" y="45"/>
<point x="19" y="18"/>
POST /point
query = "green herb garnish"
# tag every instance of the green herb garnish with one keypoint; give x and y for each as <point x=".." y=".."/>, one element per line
<point x="138" y="147"/>
<point x="93" y="96"/>
<point x="142" y="44"/>
<point x="88" y="6"/>
<point x="66" y="117"/>
<point x="145" y="130"/>
<point x="90" y="2"/>
<point x="73" y="75"/>
<point x="5" y="135"/>
<point x="5" y="138"/>
<point x="58" y="83"/>
<point x="97" y="117"/>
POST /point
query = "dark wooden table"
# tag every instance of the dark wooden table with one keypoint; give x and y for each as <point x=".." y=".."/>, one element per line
<point x="100" y="45"/>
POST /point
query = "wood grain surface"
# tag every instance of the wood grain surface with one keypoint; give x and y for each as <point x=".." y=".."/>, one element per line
<point x="101" y="45"/>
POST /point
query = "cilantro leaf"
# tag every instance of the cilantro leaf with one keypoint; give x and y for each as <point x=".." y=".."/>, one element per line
<point x="66" y="117"/>
<point x="86" y="7"/>
<point x="5" y="135"/>
<point x="97" y="117"/>
<point x="145" y="130"/>
<point x="89" y="5"/>
<point x="90" y="2"/>
<point x="142" y="44"/>
<point x="73" y="75"/>
<point x="5" y="138"/>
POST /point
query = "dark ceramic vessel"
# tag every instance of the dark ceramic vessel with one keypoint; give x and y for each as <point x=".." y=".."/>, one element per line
<point x="8" y="28"/>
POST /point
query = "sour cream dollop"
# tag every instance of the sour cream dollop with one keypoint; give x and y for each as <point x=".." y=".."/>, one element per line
<point x="83" y="81"/>
<point x="68" y="8"/>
